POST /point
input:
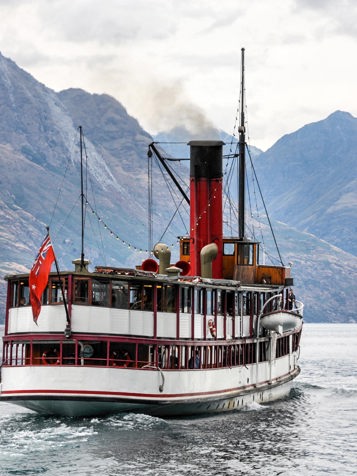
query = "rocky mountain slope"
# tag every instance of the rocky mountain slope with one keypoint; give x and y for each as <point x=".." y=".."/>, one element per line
<point x="316" y="189"/>
<point x="313" y="211"/>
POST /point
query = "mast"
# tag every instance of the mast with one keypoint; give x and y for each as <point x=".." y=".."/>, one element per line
<point x="241" y="130"/>
<point x="82" y="198"/>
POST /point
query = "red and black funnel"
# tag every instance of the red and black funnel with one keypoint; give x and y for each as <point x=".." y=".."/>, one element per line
<point x="206" y="222"/>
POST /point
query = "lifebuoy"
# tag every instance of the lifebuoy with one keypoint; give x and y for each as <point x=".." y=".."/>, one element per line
<point x="122" y="359"/>
<point x="212" y="328"/>
<point x="127" y="359"/>
<point x="46" y="360"/>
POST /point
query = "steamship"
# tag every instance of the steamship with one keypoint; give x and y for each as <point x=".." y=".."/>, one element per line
<point x="214" y="331"/>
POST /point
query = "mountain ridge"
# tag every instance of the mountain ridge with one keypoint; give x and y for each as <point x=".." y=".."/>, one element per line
<point x="302" y="202"/>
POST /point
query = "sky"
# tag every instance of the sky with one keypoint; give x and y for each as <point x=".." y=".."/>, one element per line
<point x="178" y="62"/>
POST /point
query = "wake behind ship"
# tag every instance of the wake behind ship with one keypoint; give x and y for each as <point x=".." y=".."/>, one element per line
<point x="212" y="332"/>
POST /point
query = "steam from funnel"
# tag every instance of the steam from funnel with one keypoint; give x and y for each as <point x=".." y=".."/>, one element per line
<point x="171" y="109"/>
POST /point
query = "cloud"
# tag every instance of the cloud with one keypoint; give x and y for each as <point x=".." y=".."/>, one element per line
<point x="172" y="61"/>
<point x="113" y="23"/>
<point x="332" y="17"/>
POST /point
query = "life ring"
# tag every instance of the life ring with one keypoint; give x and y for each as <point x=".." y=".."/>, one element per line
<point x="212" y="328"/>
<point x="127" y="359"/>
<point x="121" y="360"/>
<point x="46" y="360"/>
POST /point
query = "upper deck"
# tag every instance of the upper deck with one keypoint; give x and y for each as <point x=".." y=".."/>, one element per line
<point x="136" y="303"/>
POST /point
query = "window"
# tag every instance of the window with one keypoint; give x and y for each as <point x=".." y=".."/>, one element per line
<point x="228" y="249"/>
<point x="199" y="301"/>
<point x="186" y="248"/>
<point x="166" y="296"/>
<point x="210" y="302"/>
<point x="135" y="296"/>
<point x="221" y="301"/>
<point x="185" y="299"/>
<point x="100" y="293"/>
<point x="141" y="297"/>
<point x="171" y="298"/>
<point x="20" y="293"/>
<point x="55" y="291"/>
<point x="230" y="302"/>
<point x="245" y="253"/>
<point x="120" y="295"/>
<point x="148" y="298"/>
<point x="81" y="290"/>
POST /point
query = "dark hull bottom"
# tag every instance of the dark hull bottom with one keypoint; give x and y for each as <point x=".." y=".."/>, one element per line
<point x="85" y="407"/>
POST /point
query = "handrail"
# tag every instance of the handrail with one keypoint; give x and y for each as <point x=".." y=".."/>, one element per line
<point x="299" y="307"/>
<point x="154" y="367"/>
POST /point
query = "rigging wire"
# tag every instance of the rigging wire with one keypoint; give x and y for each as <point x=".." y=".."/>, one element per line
<point x="258" y="218"/>
<point x="178" y="206"/>
<point x="175" y="196"/>
<point x="88" y="179"/>
<point x="172" y="218"/>
<point x="60" y="190"/>
<point x="113" y="233"/>
<point x="265" y="208"/>
<point x="66" y="218"/>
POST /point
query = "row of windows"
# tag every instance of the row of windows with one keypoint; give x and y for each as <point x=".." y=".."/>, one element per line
<point x="244" y="251"/>
<point x="136" y="355"/>
<point x="138" y="296"/>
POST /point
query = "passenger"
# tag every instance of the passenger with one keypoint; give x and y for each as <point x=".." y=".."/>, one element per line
<point x="291" y="299"/>
<point x="173" y="362"/>
<point x="22" y="301"/>
<point x="140" y="302"/>
<point x="147" y="301"/>
<point x="195" y="361"/>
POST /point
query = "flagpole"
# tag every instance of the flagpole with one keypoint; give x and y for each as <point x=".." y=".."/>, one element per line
<point x="67" y="331"/>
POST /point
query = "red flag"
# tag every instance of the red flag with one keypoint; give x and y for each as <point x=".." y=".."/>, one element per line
<point x="39" y="275"/>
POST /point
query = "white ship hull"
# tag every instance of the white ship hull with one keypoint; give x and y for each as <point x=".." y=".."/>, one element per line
<point x="121" y="390"/>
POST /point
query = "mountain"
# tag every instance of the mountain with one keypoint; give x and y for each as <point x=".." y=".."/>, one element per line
<point x="40" y="185"/>
<point x="40" y="180"/>
<point x="317" y="183"/>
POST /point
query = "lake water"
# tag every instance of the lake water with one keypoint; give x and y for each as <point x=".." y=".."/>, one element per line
<point x="314" y="432"/>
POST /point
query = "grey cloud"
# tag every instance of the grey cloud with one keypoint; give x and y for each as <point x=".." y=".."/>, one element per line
<point x="337" y="17"/>
<point x="86" y="21"/>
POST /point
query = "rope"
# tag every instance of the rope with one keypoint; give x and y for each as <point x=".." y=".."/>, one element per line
<point x="266" y="210"/>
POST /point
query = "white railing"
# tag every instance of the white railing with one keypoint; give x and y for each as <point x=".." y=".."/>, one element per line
<point x="298" y="307"/>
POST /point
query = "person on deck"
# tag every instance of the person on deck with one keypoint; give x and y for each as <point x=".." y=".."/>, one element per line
<point x="291" y="299"/>
<point x="195" y="361"/>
